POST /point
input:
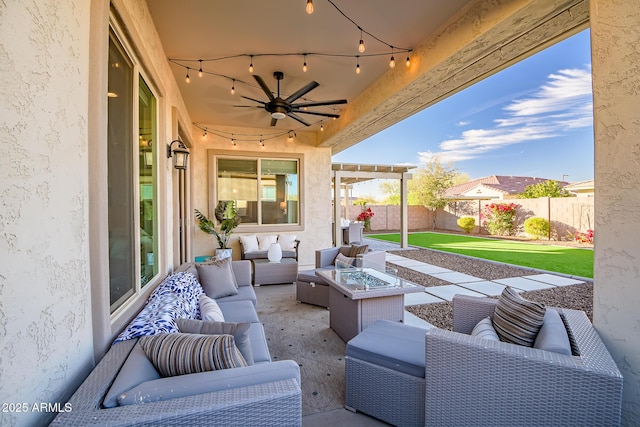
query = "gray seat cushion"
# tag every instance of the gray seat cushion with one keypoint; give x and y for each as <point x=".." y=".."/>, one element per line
<point x="258" y="341"/>
<point x="245" y="293"/>
<point x="239" y="311"/>
<point x="263" y="254"/>
<point x="207" y="382"/>
<point x="392" y="345"/>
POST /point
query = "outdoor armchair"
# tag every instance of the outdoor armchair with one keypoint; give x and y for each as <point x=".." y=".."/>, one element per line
<point x="464" y="380"/>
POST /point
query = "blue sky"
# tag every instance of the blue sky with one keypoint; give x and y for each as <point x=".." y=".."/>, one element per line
<point x="532" y="119"/>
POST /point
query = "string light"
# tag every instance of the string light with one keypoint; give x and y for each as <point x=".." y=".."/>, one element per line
<point x="233" y="141"/>
<point x="392" y="61"/>
<point x="357" y="64"/>
<point x="200" y="72"/>
<point x="309" y="7"/>
<point x="187" y="79"/>
<point x="261" y="142"/>
<point x="233" y="87"/>
<point x="361" y="44"/>
<point x="251" y="64"/>
<point x="204" y="135"/>
<point x="304" y="66"/>
<point x="290" y="136"/>
<point x="321" y="127"/>
<point x="408" y="62"/>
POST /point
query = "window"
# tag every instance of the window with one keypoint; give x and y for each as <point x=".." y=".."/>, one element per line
<point x="265" y="190"/>
<point x="132" y="178"/>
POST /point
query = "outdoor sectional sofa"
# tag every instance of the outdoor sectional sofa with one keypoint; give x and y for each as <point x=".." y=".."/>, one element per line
<point x="125" y="389"/>
<point x="408" y="376"/>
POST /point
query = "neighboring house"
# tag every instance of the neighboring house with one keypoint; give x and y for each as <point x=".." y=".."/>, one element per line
<point x="494" y="187"/>
<point x="582" y="188"/>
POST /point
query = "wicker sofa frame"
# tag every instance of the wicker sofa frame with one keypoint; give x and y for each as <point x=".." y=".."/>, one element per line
<point x="473" y="381"/>
<point x="276" y="403"/>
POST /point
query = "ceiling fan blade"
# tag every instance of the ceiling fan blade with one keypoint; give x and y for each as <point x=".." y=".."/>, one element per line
<point x="320" y="103"/>
<point x="254" y="100"/>
<point x="295" y="117"/>
<point x="302" y="91"/>
<point x="264" y="87"/>
<point x="316" y="113"/>
<point x="250" y="106"/>
<point x="273" y="121"/>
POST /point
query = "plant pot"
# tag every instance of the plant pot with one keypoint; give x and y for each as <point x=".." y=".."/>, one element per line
<point x="224" y="253"/>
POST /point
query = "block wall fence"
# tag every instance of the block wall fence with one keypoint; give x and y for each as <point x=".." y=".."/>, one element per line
<point x="566" y="215"/>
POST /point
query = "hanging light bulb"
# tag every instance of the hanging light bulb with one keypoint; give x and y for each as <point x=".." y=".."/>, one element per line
<point x="361" y="44"/>
<point x="251" y="64"/>
<point x="187" y="79"/>
<point x="321" y="127"/>
<point x="262" y="143"/>
<point x="309" y="7"/>
<point x="290" y="136"/>
<point x="200" y="72"/>
<point x="408" y="62"/>
<point x="204" y="135"/>
<point x="304" y="66"/>
<point x="233" y="87"/>
<point x="233" y="141"/>
<point x="357" y="65"/>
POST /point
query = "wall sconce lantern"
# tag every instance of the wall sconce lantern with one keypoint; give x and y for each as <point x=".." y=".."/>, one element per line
<point x="180" y="154"/>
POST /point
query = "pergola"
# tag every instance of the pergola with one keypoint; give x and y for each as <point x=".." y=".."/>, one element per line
<point x="351" y="173"/>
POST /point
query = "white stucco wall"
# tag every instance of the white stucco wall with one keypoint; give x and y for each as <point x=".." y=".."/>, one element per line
<point x="316" y="186"/>
<point x="45" y="314"/>
<point x="615" y="41"/>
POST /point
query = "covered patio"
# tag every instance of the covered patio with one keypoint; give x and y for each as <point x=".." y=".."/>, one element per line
<point x="77" y="182"/>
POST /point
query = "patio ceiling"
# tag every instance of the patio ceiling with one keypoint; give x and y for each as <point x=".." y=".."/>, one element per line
<point x="455" y="43"/>
<point x="356" y="172"/>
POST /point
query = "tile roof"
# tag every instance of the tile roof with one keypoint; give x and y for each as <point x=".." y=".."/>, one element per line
<point x="501" y="183"/>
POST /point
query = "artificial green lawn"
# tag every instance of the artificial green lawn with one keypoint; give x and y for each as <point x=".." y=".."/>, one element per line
<point x="573" y="261"/>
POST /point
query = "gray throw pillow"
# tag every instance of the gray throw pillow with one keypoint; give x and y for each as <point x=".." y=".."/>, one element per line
<point x="217" y="279"/>
<point x="517" y="320"/>
<point x="240" y="332"/>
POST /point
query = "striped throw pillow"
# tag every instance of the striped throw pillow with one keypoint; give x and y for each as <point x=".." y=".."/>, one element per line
<point x="484" y="329"/>
<point x="517" y="320"/>
<point x="180" y="354"/>
<point x="356" y="250"/>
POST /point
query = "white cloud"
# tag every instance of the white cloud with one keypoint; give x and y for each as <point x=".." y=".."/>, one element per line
<point x="562" y="104"/>
<point x="462" y="123"/>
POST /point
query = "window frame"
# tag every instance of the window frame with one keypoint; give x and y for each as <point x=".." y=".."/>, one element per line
<point x="214" y="155"/>
<point x="140" y="291"/>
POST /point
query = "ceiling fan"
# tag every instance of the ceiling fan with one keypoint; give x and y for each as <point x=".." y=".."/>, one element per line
<point x="280" y="108"/>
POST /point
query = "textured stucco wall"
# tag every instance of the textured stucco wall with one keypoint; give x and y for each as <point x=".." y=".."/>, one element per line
<point x="615" y="41"/>
<point x="316" y="186"/>
<point x="45" y="317"/>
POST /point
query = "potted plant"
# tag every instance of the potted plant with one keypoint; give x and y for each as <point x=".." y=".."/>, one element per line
<point x="227" y="216"/>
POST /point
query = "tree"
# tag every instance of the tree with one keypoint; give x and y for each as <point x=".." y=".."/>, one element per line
<point x="550" y="188"/>
<point x="430" y="184"/>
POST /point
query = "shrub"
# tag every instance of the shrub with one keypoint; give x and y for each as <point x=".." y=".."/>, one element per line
<point x="584" y="237"/>
<point x="537" y="227"/>
<point x="498" y="218"/>
<point x="467" y="223"/>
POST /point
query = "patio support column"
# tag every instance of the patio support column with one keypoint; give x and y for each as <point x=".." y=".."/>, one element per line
<point x="615" y="52"/>
<point x="337" y="226"/>
<point x="404" y="211"/>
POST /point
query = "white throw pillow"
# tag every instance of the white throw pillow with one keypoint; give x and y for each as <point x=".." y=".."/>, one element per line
<point x="249" y="243"/>
<point x="209" y="309"/>
<point x="265" y="241"/>
<point x="287" y="242"/>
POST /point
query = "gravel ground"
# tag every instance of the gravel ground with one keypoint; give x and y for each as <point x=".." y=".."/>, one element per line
<point x="578" y="297"/>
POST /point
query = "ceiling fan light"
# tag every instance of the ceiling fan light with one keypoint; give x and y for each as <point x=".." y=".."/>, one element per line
<point x="278" y="115"/>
